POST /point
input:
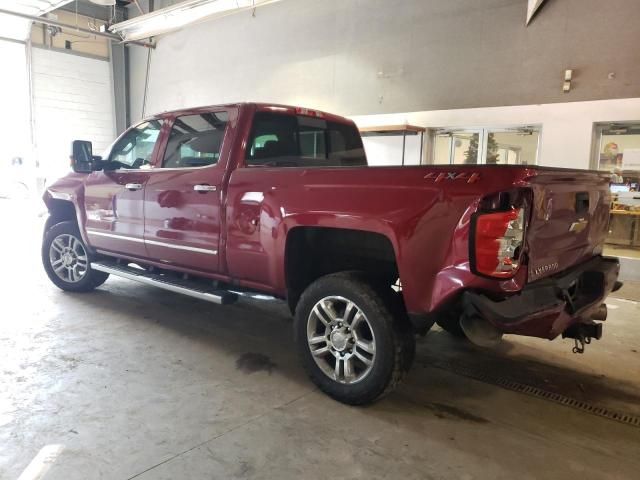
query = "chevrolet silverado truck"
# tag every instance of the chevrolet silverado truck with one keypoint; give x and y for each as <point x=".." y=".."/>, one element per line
<point x="218" y="201"/>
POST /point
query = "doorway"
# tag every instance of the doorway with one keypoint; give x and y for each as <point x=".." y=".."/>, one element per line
<point x="497" y="146"/>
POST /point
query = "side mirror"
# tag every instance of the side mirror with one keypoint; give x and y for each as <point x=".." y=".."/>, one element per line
<point x="82" y="156"/>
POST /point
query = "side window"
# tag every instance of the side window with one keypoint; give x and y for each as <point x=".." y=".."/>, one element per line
<point x="135" y="148"/>
<point x="281" y="140"/>
<point x="274" y="137"/>
<point x="195" y="140"/>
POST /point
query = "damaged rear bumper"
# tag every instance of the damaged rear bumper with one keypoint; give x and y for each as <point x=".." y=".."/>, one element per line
<point x="549" y="307"/>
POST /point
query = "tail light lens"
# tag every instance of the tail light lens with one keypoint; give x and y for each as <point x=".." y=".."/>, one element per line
<point x="498" y="242"/>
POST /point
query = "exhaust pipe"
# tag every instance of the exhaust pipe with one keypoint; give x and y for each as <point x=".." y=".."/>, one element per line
<point x="479" y="331"/>
<point x="601" y="313"/>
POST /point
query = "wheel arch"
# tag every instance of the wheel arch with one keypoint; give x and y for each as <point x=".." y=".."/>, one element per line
<point x="60" y="211"/>
<point x="314" y="251"/>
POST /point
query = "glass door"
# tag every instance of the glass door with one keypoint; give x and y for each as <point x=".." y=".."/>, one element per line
<point x="617" y="151"/>
<point x="513" y="146"/>
<point x="457" y="147"/>
<point x="498" y="146"/>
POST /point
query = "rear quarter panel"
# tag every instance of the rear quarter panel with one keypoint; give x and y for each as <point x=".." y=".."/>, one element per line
<point x="425" y="219"/>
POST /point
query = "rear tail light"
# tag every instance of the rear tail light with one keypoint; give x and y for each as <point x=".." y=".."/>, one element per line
<point x="498" y="241"/>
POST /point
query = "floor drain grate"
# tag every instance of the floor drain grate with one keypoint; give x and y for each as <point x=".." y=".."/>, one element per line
<point x="507" y="384"/>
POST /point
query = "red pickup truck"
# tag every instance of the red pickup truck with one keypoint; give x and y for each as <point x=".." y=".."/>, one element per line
<point x="216" y="201"/>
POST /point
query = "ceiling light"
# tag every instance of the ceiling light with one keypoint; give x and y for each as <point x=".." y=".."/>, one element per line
<point x="179" y="15"/>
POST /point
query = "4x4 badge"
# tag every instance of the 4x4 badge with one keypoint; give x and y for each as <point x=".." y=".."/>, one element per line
<point x="438" y="177"/>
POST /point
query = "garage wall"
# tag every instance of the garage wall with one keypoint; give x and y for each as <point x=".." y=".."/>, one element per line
<point x="372" y="56"/>
<point x="72" y="99"/>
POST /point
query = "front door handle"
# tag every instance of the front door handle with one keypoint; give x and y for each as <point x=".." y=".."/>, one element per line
<point x="133" y="186"/>
<point x="204" y="188"/>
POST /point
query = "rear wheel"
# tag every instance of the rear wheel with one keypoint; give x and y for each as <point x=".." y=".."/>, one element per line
<point x="352" y="345"/>
<point x="67" y="261"/>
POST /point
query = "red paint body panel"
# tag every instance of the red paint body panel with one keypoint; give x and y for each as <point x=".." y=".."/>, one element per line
<point x="424" y="211"/>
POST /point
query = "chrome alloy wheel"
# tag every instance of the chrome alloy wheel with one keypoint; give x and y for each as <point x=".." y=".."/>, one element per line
<point x="341" y="339"/>
<point x="68" y="258"/>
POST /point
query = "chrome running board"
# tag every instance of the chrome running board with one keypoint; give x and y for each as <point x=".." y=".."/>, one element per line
<point x="166" y="282"/>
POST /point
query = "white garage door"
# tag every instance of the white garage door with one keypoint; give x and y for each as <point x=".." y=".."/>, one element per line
<point x="72" y="99"/>
<point x="15" y="138"/>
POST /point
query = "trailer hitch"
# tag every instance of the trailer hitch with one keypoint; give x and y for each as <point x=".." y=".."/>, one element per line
<point x="582" y="334"/>
<point x="580" y="344"/>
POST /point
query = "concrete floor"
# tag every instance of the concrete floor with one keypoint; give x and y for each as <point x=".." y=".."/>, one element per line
<point x="132" y="382"/>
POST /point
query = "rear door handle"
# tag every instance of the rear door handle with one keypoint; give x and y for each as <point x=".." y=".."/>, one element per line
<point x="204" y="188"/>
<point x="133" y="186"/>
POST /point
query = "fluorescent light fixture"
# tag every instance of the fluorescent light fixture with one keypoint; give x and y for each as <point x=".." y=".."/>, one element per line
<point x="179" y="15"/>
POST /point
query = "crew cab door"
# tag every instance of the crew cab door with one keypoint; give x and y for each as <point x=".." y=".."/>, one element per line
<point x="114" y="196"/>
<point x="183" y="195"/>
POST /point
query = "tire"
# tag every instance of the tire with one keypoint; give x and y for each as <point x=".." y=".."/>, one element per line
<point x="68" y="261"/>
<point x="450" y="323"/>
<point x="374" y="338"/>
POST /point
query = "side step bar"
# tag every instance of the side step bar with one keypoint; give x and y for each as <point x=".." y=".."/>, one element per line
<point x="177" y="285"/>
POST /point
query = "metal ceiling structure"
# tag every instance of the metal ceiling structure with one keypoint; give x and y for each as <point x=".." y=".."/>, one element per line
<point x="19" y="28"/>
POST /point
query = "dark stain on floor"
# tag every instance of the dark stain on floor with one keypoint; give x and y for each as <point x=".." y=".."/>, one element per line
<point x="441" y="410"/>
<point x="254" y="362"/>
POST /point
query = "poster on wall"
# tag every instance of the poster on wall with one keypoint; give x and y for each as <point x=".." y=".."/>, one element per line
<point x="610" y="157"/>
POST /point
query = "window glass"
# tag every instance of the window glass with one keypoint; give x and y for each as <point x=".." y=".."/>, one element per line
<point x="516" y="147"/>
<point x="513" y="146"/>
<point x="300" y="141"/>
<point x="465" y="148"/>
<point x="135" y="148"/>
<point x="458" y="147"/>
<point x="195" y="140"/>
<point x="618" y="153"/>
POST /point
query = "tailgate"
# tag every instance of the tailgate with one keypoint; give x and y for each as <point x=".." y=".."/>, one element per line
<point x="569" y="221"/>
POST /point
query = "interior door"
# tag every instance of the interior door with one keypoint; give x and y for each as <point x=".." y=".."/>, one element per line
<point x="183" y="195"/>
<point x="114" y="197"/>
<point x="457" y="147"/>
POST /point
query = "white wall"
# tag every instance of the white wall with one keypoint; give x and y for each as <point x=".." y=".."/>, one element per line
<point x="388" y="150"/>
<point x="567" y="128"/>
<point x="383" y="56"/>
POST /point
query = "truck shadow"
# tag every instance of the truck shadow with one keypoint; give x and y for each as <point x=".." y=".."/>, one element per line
<point x="257" y="336"/>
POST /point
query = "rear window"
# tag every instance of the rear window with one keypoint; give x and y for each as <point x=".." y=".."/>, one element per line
<point x="279" y="140"/>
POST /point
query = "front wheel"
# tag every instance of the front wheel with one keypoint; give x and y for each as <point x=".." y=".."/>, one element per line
<point x="66" y="259"/>
<point x="353" y="342"/>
